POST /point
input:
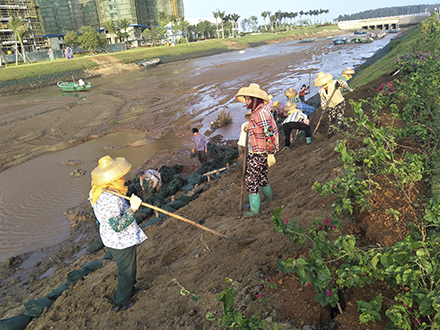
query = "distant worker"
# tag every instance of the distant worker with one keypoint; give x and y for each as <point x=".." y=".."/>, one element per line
<point x="263" y="144"/>
<point x="117" y="224"/>
<point x="154" y="180"/>
<point x="346" y="76"/>
<point x="278" y="110"/>
<point x="81" y="82"/>
<point x="50" y="53"/>
<point x="200" y="145"/>
<point x="295" y="120"/>
<point x="303" y="91"/>
<point x="293" y="97"/>
<point x="331" y="100"/>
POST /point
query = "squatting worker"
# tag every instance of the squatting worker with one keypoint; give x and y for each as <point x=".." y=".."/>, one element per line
<point x="117" y="225"/>
<point x="242" y="140"/>
<point x="263" y="143"/>
<point x="331" y="100"/>
<point x="346" y="76"/>
<point x="154" y="180"/>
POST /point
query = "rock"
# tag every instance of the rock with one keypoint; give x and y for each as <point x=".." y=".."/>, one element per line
<point x="15" y="281"/>
<point x="78" y="173"/>
<point x="71" y="162"/>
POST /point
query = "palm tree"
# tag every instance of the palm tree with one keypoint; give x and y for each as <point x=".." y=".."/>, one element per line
<point x="326" y="11"/>
<point x="279" y="15"/>
<point x="264" y="14"/>
<point x="272" y="22"/>
<point x="123" y="25"/>
<point x="221" y="14"/>
<point x="216" y="14"/>
<point x="294" y="15"/>
<point x="110" y="26"/>
<point x="20" y="30"/>
<point x="235" y="17"/>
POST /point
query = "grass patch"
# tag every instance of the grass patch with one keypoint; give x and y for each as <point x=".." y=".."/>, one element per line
<point x="385" y="64"/>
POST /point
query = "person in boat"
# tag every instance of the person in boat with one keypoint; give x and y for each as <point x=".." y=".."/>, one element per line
<point x="263" y="144"/>
<point x="346" y="76"/>
<point x="303" y="91"/>
<point x="331" y="100"/>
<point x="81" y="82"/>
<point x="200" y="145"/>
<point x="293" y="97"/>
<point x="153" y="178"/>
<point x="117" y="225"/>
<point x="296" y="119"/>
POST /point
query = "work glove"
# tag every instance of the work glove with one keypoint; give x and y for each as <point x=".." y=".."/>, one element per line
<point x="337" y="85"/>
<point x="271" y="160"/>
<point x="135" y="202"/>
<point x="245" y="128"/>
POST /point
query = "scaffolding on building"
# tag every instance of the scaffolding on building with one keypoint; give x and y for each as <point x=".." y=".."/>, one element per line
<point x="28" y="12"/>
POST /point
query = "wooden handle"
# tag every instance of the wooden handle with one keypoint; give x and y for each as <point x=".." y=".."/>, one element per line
<point x="240" y="206"/>
<point x="171" y="215"/>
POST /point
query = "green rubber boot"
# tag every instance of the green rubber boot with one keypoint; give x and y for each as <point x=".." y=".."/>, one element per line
<point x="267" y="193"/>
<point x="254" y="202"/>
<point x="308" y="140"/>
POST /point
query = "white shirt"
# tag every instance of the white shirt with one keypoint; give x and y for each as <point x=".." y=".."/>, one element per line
<point x="110" y="206"/>
<point x="242" y="140"/>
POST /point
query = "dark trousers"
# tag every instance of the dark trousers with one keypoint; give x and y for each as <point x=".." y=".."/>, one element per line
<point x="288" y="127"/>
<point x="201" y="155"/>
<point x="126" y="262"/>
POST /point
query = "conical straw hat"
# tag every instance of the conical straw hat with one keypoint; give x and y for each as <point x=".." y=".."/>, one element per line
<point x="109" y="170"/>
<point x="322" y="79"/>
<point x="290" y="107"/>
<point x="291" y="92"/>
<point x="348" y="71"/>
<point x="253" y="90"/>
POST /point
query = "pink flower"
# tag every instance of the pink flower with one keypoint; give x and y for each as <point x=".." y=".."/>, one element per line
<point x="308" y="284"/>
<point x="418" y="321"/>
<point x="404" y="305"/>
<point x="332" y="227"/>
<point x="328" y="293"/>
<point x="286" y="221"/>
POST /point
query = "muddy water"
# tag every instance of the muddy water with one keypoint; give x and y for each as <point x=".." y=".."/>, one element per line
<point x="34" y="194"/>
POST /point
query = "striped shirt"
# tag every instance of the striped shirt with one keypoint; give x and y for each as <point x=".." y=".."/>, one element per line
<point x="296" y="116"/>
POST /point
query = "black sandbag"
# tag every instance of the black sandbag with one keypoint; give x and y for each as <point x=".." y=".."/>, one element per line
<point x="166" y="174"/>
<point x="186" y="198"/>
<point x="93" y="265"/>
<point x="164" y="192"/>
<point x="179" y="179"/>
<point x="196" y="178"/>
<point x="19" y="322"/>
<point x="151" y="222"/>
<point x="187" y="187"/>
<point x="76" y="275"/>
<point x="177" y="204"/>
<point x="166" y="208"/>
<point x="173" y="187"/>
<point x="140" y="217"/>
<point x="34" y="308"/>
<point x="54" y="294"/>
<point x="146" y="210"/>
<point x="177" y="168"/>
<point x="96" y="246"/>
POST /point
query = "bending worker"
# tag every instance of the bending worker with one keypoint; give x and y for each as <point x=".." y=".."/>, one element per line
<point x="263" y="143"/>
<point x="331" y="100"/>
<point x="117" y="225"/>
<point x="295" y="120"/>
<point x="292" y="97"/>
<point x="346" y="76"/>
<point x="154" y="180"/>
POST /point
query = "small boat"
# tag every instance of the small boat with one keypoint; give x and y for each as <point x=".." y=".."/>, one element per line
<point x="307" y="40"/>
<point x="338" y="42"/>
<point x="73" y="86"/>
<point x="150" y="62"/>
<point x="360" y="32"/>
<point x="394" y="30"/>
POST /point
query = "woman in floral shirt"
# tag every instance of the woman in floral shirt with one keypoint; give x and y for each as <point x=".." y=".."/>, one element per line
<point x="263" y="143"/>
<point x="117" y="225"/>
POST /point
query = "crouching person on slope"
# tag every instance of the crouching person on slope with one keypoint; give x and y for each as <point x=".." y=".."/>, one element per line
<point x="263" y="143"/>
<point x="117" y="225"/>
<point x="295" y="120"/>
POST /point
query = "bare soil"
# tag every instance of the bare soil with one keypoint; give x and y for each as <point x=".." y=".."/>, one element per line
<point x="196" y="259"/>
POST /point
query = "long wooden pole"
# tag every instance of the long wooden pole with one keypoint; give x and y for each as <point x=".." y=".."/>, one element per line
<point x="243" y="174"/>
<point x="243" y="240"/>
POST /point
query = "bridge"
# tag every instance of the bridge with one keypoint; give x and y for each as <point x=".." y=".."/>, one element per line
<point x="383" y="23"/>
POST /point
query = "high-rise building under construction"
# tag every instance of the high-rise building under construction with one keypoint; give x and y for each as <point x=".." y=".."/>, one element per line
<point x="55" y="17"/>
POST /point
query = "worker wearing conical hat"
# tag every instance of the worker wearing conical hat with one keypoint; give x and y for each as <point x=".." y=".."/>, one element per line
<point x="346" y="76"/>
<point x="296" y="119"/>
<point x="293" y="97"/>
<point x="331" y="100"/>
<point x="241" y="144"/>
<point x="117" y="225"/>
<point x="263" y="143"/>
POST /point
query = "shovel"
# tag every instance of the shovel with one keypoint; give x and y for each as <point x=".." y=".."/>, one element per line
<point x="239" y="241"/>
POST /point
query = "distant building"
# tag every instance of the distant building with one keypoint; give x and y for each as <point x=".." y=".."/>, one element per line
<point x="50" y="20"/>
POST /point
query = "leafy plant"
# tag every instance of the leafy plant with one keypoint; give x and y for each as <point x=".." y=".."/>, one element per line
<point x="394" y="212"/>
<point x="184" y="292"/>
<point x="370" y="311"/>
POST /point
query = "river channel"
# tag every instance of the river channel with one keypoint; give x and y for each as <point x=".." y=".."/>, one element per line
<point x="35" y="193"/>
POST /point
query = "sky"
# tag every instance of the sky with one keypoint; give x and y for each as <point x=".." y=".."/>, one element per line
<point x="204" y="9"/>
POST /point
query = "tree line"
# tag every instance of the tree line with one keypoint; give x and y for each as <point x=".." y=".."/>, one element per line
<point x="391" y="11"/>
